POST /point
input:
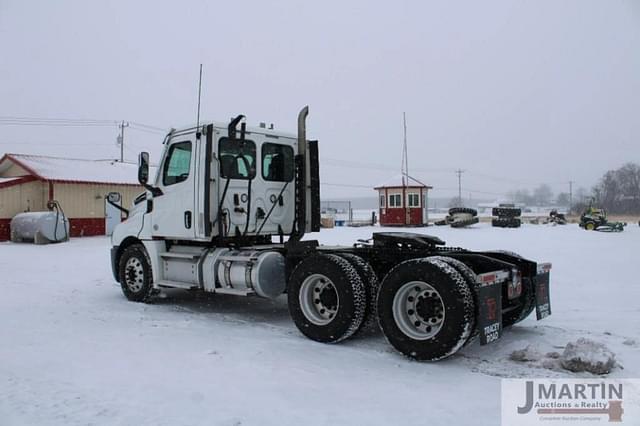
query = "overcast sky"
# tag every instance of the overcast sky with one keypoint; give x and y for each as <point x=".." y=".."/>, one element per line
<point x="515" y="93"/>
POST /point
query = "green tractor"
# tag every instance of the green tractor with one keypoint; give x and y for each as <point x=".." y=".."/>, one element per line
<point x="595" y="219"/>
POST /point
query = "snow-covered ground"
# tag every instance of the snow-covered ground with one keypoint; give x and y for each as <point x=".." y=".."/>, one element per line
<point x="74" y="351"/>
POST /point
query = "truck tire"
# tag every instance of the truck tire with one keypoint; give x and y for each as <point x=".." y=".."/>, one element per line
<point x="506" y="222"/>
<point x="426" y="309"/>
<point x="454" y="210"/>
<point x="327" y="299"/>
<point x="372" y="284"/>
<point x="506" y="212"/>
<point x="471" y="278"/>
<point x="134" y="270"/>
<point x="465" y="222"/>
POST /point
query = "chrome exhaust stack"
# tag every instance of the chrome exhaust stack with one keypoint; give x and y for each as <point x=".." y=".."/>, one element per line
<point x="302" y="130"/>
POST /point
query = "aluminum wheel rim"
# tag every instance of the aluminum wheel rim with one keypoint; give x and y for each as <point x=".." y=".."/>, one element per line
<point x="418" y="310"/>
<point x="315" y="292"/>
<point x="134" y="274"/>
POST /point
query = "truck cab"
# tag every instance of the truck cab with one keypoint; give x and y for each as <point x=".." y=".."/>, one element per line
<point x="210" y="186"/>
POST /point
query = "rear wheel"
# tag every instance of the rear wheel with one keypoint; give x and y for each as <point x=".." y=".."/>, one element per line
<point x="426" y="309"/>
<point x="135" y="274"/>
<point x="471" y="278"/>
<point x="590" y="226"/>
<point x="370" y="280"/>
<point x="326" y="297"/>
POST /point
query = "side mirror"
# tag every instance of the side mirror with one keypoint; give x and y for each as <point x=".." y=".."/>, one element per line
<point x="143" y="168"/>
<point x="114" y="197"/>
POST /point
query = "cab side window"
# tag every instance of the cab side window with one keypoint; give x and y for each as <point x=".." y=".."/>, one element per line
<point x="237" y="159"/>
<point x="277" y="162"/>
<point x="178" y="164"/>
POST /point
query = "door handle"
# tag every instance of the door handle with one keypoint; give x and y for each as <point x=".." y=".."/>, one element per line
<point x="187" y="219"/>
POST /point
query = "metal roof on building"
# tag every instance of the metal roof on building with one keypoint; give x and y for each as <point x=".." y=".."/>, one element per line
<point x="402" y="181"/>
<point x="73" y="170"/>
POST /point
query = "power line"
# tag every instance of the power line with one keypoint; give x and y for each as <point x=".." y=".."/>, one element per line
<point x="70" y="122"/>
<point x="145" y="130"/>
<point x="346" y="185"/>
<point x="53" y="124"/>
<point x="53" y="144"/>
<point x="335" y="162"/>
<point x="161" y="129"/>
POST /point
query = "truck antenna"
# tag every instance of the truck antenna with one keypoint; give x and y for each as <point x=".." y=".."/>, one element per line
<point x="198" y="133"/>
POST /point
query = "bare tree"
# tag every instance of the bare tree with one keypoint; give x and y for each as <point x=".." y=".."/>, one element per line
<point x="562" y="199"/>
<point x="543" y="195"/>
<point x="619" y="190"/>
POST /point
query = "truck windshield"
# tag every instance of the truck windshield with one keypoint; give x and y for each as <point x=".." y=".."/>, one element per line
<point x="237" y="159"/>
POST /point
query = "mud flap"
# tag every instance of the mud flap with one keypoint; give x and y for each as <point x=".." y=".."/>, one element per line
<point x="541" y="289"/>
<point x="489" y="312"/>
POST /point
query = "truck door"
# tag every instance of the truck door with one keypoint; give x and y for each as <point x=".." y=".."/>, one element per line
<point x="237" y="172"/>
<point x="277" y="195"/>
<point x="173" y="211"/>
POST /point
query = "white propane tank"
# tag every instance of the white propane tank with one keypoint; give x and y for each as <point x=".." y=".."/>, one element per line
<point x="40" y="227"/>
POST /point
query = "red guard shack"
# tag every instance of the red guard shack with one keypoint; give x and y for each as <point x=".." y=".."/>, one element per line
<point x="403" y="201"/>
<point x="27" y="182"/>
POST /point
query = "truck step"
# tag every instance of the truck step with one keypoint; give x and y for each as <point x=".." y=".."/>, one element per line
<point x="169" y="254"/>
<point x="234" y="291"/>
<point x="175" y="284"/>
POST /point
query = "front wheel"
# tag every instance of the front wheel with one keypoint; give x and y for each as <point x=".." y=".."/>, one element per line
<point x="327" y="298"/>
<point x="426" y="309"/>
<point x="134" y="270"/>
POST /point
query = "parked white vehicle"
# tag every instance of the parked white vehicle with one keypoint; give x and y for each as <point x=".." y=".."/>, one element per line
<point x="224" y="193"/>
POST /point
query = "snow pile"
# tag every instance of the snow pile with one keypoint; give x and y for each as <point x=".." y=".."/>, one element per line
<point x="533" y="357"/>
<point x="579" y="356"/>
<point x="587" y="355"/>
<point x="528" y="354"/>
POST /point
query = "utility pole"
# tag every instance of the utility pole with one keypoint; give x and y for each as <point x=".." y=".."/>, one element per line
<point x="570" y="195"/>
<point x="405" y="158"/>
<point x="459" y="172"/>
<point x="122" y="125"/>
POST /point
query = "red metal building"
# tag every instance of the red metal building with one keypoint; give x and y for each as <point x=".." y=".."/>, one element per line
<point x="403" y="201"/>
<point x="28" y="182"/>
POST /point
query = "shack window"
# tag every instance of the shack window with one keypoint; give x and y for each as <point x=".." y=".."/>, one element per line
<point x="382" y="201"/>
<point x="178" y="164"/>
<point x="277" y="162"/>
<point x="395" y="200"/>
<point x="413" y="200"/>
<point x="237" y="159"/>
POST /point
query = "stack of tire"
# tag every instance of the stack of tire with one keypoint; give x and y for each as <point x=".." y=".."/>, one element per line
<point x="506" y="217"/>
<point x="459" y="217"/>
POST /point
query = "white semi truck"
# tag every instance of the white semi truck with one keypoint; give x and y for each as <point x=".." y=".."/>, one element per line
<point x="227" y="213"/>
